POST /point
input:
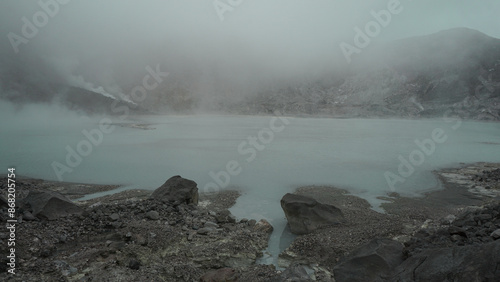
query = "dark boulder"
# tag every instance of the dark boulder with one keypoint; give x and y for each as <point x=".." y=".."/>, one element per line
<point x="50" y="205"/>
<point x="177" y="190"/>
<point x="371" y="262"/>
<point x="463" y="263"/>
<point x="295" y="273"/>
<point x="305" y="214"/>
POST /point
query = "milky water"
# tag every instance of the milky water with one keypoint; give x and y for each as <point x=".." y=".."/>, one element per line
<point x="352" y="154"/>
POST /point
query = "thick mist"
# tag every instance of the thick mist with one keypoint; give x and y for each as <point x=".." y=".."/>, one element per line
<point x="233" y="95"/>
<point x="222" y="50"/>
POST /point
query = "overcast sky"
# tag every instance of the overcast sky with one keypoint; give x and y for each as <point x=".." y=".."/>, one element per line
<point x="252" y="35"/>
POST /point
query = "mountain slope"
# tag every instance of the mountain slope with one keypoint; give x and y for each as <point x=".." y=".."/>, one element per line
<point x="455" y="71"/>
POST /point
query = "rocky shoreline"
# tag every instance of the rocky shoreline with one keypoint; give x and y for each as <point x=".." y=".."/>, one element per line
<point x="132" y="236"/>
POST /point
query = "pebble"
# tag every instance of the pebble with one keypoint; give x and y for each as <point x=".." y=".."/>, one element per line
<point x="153" y="215"/>
<point x="134" y="264"/>
<point x="205" y="230"/>
<point x="28" y="216"/>
<point x="495" y="234"/>
<point x="211" y="224"/>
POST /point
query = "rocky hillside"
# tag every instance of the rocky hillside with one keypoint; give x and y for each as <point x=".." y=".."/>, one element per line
<point x="455" y="70"/>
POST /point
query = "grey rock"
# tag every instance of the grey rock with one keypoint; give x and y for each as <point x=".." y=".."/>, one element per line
<point x="462" y="263"/>
<point x="305" y="214"/>
<point x="205" y="230"/>
<point x="495" y="234"/>
<point x="28" y="216"/>
<point x="65" y="268"/>
<point x="115" y="236"/>
<point x="50" y="205"/>
<point x="263" y="226"/>
<point x="114" y="216"/>
<point x="448" y="219"/>
<point x="295" y="273"/>
<point x="482" y="217"/>
<point x="153" y="215"/>
<point x="177" y="190"/>
<point x="457" y="238"/>
<point x="225" y="217"/>
<point x="371" y="262"/>
<point x="134" y="264"/>
<point x="117" y="245"/>
<point x="211" y="224"/>
<point x="128" y="236"/>
<point x="139" y="239"/>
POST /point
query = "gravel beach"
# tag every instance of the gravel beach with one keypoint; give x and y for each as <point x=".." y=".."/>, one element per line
<point x="130" y="236"/>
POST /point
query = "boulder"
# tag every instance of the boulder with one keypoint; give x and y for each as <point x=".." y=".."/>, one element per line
<point x="50" y="205"/>
<point x="462" y="263"/>
<point x="371" y="262"/>
<point x="305" y="214"/>
<point x="177" y="190"/>
<point x="114" y="217"/>
<point x="295" y="273"/>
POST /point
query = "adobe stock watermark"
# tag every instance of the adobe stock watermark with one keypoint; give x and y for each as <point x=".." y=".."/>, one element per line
<point x="94" y="137"/>
<point x="428" y="146"/>
<point x="249" y="149"/>
<point x="30" y="28"/>
<point x="417" y="157"/>
<point x="363" y="37"/>
<point x="225" y="6"/>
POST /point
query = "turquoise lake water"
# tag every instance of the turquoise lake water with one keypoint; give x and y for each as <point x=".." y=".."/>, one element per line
<point x="265" y="157"/>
